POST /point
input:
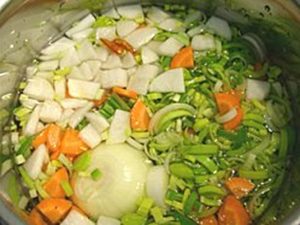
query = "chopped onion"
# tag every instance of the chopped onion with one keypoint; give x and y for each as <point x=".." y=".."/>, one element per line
<point x="50" y="111"/>
<point x="102" y="53"/>
<point x="47" y="75"/>
<point x="169" y="81"/>
<point x="128" y="61"/>
<point x="48" y="65"/>
<point x="39" y="89"/>
<point x="134" y="144"/>
<point x="90" y="136"/>
<point x="120" y="127"/>
<point x="218" y="86"/>
<point x="58" y="47"/>
<point x="79" y="114"/>
<point x="141" y="36"/>
<point x="72" y="103"/>
<point x="196" y="30"/>
<point x="157" y="184"/>
<point x="81" y="25"/>
<point x="220" y="27"/>
<point x="83" y="89"/>
<point x="131" y="12"/>
<point x="98" y="121"/>
<point x="157" y="15"/>
<point x="257" y="89"/>
<point x="106" y="32"/>
<point x="76" y="218"/>
<point x="114" y="77"/>
<point x="32" y="123"/>
<point x="125" y="27"/>
<point x="113" y="62"/>
<point x="170" y="47"/>
<point x="28" y="102"/>
<point x="104" y="220"/>
<point x="112" y="13"/>
<point x="203" y="42"/>
<point x="171" y="25"/>
<point x="81" y="35"/>
<point x="231" y="114"/>
<point x="70" y="58"/>
<point x="148" y="55"/>
<point x="86" y="51"/>
<point x="60" y="88"/>
<point x="67" y="113"/>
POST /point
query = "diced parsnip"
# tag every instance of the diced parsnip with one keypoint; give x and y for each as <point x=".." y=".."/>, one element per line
<point x="47" y="75"/>
<point x="86" y="71"/>
<point x="76" y="218"/>
<point x="170" y="47"/>
<point x="106" y="32"/>
<point x="203" y="42"/>
<point x="81" y="25"/>
<point x="48" y="65"/>
<point x="95" y="66"/>
<point x="60" y="88"/>
<point x="102" y="53"/>
<point x="72" y="103"/>
<point x="172" y="25"/>
<point x="39" y="89"/>
<point x="50" y="111"/>
<point x="120" y="127"/>
<point x="86" y="51"/>
<point x="28" y="102"/>
<point x="257" y="89"/>
<point x="32" y="123"/>
<point x="98" y="121"/>
<point x="70" y="58"/>
<point x="112" y="13"/>
<point x="30" y="71"/>
<point x="131" y="71"/>
<point x="81" y="35"/>
<point x="131" y="12"/>
<point x="139" y="82"/>
<point x="128" y="61"/>
<point x="114" y="77"/>
<point x="83" y="89"/>
<point x="141" y="36"/>
<point x="104" y="220"/>
<point x="157" y="15"/>
<point x="148" y="55"/>
<point x="170" y="81"/>
<point x="79" y="114"/>
<point x="90" y="136"/>
<point x="113" y="61"/>
<point x="58" y="47"/>
<point x="125" y="27"/>
<point x="154" y="46"/>
<point x="35" y="162"/>
<point x="76" y="74"/>
<point x="220" y="27"/>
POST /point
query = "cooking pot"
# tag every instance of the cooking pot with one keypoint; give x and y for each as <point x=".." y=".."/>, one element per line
<point x="26" y="26"/>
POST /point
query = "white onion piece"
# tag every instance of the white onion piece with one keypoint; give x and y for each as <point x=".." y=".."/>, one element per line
<point x="203" y="42"/>
<point x="90" y="136"/>
<point x="102" y="53"/>
<point x="28" y="102"/>
<point x="86" y="71"/>
<point x="64" y="119"/>
<point x="157" y="184"/>
<point x="124" y="171"/>
<point x="120" y="128"/>
<point x="113" y="62"/>
<point x="196" y="30"/>
<point x="220" y="27"/>
<point x="72" y="103"/>
<point x="48" y="65"/>
<point x="81" y="35"/>
<point x="148" y="55"/>
<point x="134" y="143"/>
<point x="114" y="77"/>
<point x="76" y="218"/>
<point x="31" y="71"/>
<point x="60" y="88"/>
<point x="257" y="89"/>
<point x="79" y="114"/>
<point x="231" y="114"/>
<point x="70" y="58"/>
<point x="218" y="86"/>
<point x="50" y="111"/>
<point x="193" y="16"/>
<point x="106" y="33"/>
<point x="112" y="13"/>
<point x="86" y="51"/>
<point x="157" y="15"/>
<point x="169" y="81"/>
<point x="141" y="36"/>
<point x="58" y="47"/>
<point x="32" y="123"/>
<point x="258" y="44"/>
<point x="172" y="107"/>
<point x="35" y="162"/>
<point x="171" y="25"/>
<point x="47" y="75"/>
<point x="81" y="25"/>
<point x="131" y="12"/>
<point x="154" y="46"/>
<point x="83" y="89"/>
<point x="98" y="121"/>
<point x="125" y="27"/>
<point x="104" y="220"/>
<point x="39" y="89"/>
<point x="128" y="61"/>
<point x="170" y="47"/>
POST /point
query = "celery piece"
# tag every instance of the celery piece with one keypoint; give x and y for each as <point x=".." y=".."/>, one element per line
<point x="145" y="207"/>
<point x="13" y="189"/>
<point x="96" y="174"/>
<point x="66" y="186"/>
<point x="26" y="178"/>
<point x="25" y="146"/>
<point x="104" y="21"/>
<point x="82" y="162"/>
<point x="133" y="219"/>
<point x="181" y="170"/>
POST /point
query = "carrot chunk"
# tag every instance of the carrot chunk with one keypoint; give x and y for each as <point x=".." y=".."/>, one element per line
<point x="183" y="59"/>
<point x="53" y="185"/>
<point x="35" y="218"/>
<point x="210" y="220"/>
<point x="238" y="186"/>
<point x="139" y="117"/>
<point x="125" y="93"/>
<point x="71" y="143"/>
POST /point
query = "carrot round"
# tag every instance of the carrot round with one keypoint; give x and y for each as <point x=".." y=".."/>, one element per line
<point x="54" y="135"/>
<point x="35" y="218"/>
<point x="238" y="186"/>
<point x="233" y="212"/>
<point x="125" y="93"/>
<point x="139" y="117"/>
<point x="40" y="139"/>
<point x="183" y="59"/>
<point x="210" y="220"/>
<point x="71" y="143"/>
<point x="54" y="209"/>
<point x="53" y="185"/>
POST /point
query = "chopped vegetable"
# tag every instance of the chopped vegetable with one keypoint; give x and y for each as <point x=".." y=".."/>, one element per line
<point x="71" y="143"/>
<point x="183" y="59"/>
<point x="35" y="218"/>
<point x="53" y="185"/>
<point x="139" y="117"/>
<point x="125" y="93"/>
<point x="54" y="135"/>
<point x="240" y="187"/>
<point x="210" y="220"/>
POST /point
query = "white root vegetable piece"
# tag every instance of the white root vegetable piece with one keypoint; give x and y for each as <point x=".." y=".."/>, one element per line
<point x="50" y="111"/>
<point x="170" y="47"/>
<point x="203" y="42"/>
<point x="48" y="65"/>
<point x="70" y="58"/>
<point x="120" y="129"/>
<point x="113" y="61"/>
<point x="157" y="15"/>
<point x="76" y="218"/>
<point x="157" y="185"/>
<point x="141" y="36"/>
<point x="60" y="88"/>
<point x="131" y="12"/>
<point x="220" y="27"/>
<point x="86" y="51"/>
<point x="39" y="89"/>
<point x="104" y="220"/>
<point x="170" y="81"/>
<point x="106" y="32"/>
<point x="148" y="55"/>
<point x="81" y="35"/>
<point x="73" y="103"/>
<point x="90" y="136"/>
<point x="139" y="81"/>
<point x="102" y="53"/>
<point x="31" y="71"/>
<point x="86" y="71"/>
<point x="83" y="89"/>
<point x="32" y="123"/>
<point x="125" y="27"/>
<point x="66" y="115"/>
<point x="114" y="77"/>
<point x="128" y="61"/>
<point x="85" y="23"/>
<point x="35" y="162"/>
<point x="47" y="75"/>
<point x="112" y="13"/>
<point x="56" y="48"/>
<point x="195" y="31"/>
<point x="154" y="46"/>
<point x="124" y="171"/>
<point x="98" y="121"/>
<point x="79" y="114"/>
<point x="28" y="102"/>
<point x="257" y="89"/>
<point x="171" y="25"/>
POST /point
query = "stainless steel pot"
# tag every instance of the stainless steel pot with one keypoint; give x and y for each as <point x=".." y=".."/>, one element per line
<point x="28" y="25"/>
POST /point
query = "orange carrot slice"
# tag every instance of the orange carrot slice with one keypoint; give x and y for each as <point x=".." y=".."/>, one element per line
<point x="139" y="117"/>
<point x="41" y="138"/>
<point x="210" y="220"/>
<point x="35" y="218"/>
<point x="183" y="59"/>
<point x="238" y="186"/>
<point x="54" y="135"/>
<point x="125" y="93"/>
<point x="71" y="143"/>
<point x="53" y="185"/>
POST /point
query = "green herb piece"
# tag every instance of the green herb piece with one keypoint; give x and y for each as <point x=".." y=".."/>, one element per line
<point x="96" y="174"/>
